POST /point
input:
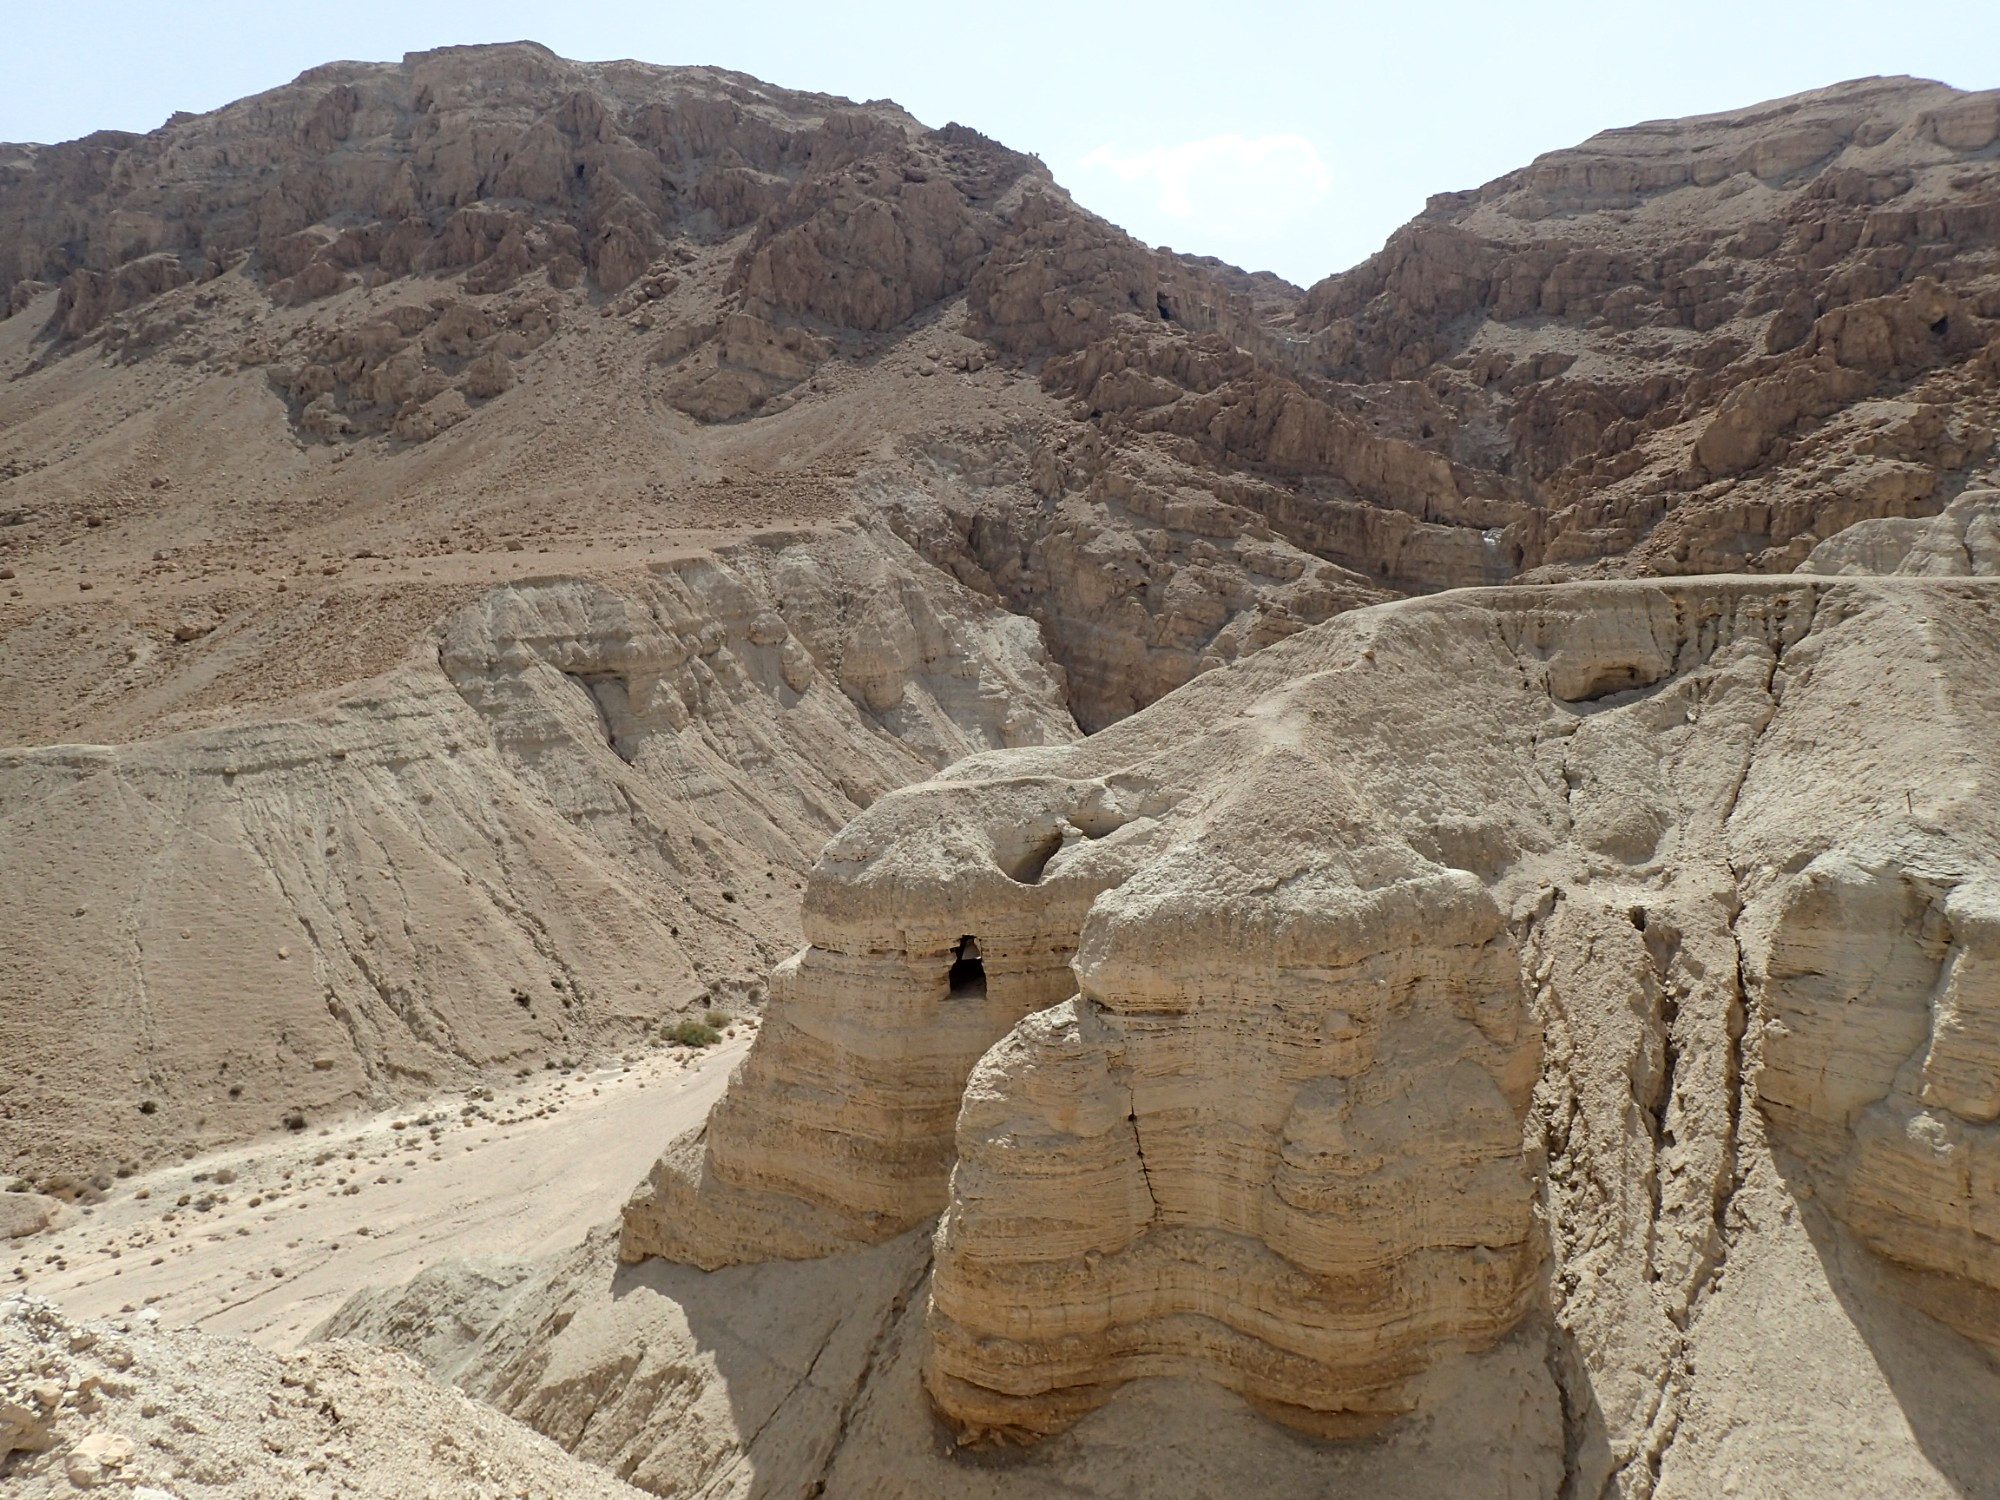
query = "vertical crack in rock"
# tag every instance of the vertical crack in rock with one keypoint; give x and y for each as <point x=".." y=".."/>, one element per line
<point x="779" y="1409"/>
<point x="885" y="1332"/>
<point x="1139" y="1152"/>
<point x="1573" y="1396"/>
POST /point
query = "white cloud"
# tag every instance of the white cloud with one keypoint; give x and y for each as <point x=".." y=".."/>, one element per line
<point x="1229" y="187"/>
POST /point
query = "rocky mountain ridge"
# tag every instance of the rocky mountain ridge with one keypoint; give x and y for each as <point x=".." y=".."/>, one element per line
<point x="1549" y="1016"/>
<point x="1688" y="346"/>
<point x="496" y="553"/>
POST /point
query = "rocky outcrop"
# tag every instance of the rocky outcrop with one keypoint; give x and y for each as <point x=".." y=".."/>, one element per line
<point x="1407" y="1003"/>
<point x="784" y="1380"/>
<point x="1545" y="990"/>
<point x="1138" y="580"/>
<point x="1656" y="352"/>
<point x="398" y="370"/>
<point x="1664" y="319"/>
<point x="497" y="160"/>
<point x="131" y="1408"/>
<point x="23" y="1214"/>
<point x="847" y="1134"/>
<point x="1962" y="540"/>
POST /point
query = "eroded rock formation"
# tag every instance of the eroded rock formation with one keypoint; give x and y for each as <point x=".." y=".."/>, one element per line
<point x="1550" y="1029"/>
<point x="577" y="810"/>
<point x="1680" y="347"/>
<point x="128" y="1407"/>
<point x="1453" y="960"/>
<point x="1962" y="540"/>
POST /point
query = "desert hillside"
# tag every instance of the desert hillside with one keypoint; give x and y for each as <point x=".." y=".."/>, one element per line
<point x="1394" y="878"/>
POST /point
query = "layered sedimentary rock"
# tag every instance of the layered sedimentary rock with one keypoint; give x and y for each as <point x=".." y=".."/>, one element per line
<point x="1482" y="987"/>
<point x="578" y="809"/>
<point x="1438" y="965"/>
<point x="498" y="159"/>
<point x="1962" y="540"/>
<point x="846" y="1138"/>
<point x="786" y="1380"/>
<point x="1683" y="346"/>
<point x="1735" y="295"/>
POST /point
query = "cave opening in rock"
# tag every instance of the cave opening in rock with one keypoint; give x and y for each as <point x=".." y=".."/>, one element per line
<point x="968" y="973"/>
<point x="1027" y="865"/>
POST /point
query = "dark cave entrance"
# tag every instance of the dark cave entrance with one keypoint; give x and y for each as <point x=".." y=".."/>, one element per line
<point x="968" y="973"/>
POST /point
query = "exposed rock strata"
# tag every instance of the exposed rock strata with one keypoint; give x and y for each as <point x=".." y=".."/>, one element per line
<point x="1962" y="540"/>
<point x="1683" y="346"/>
<point x="492" y="160"/>
<point x="1408" y="1000"/>
<point x="786" y="1380"/>
<point x="1670" y="335"/>
<point x="581" y="809"/>
<point x="1623" y="860"/>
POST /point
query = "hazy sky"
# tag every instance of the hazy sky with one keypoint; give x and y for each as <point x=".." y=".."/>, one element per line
<point x="1291" y="137"/>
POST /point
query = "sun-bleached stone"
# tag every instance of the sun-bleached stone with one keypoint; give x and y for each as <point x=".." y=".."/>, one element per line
<point x="1456" y="964"/>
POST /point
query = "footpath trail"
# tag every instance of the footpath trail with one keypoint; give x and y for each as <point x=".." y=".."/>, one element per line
<point x="263" y="1241"/>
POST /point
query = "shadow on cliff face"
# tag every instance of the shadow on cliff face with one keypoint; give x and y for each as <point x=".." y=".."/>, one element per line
<point x="790" y="1379"/>
<point x="1945" y="1384"/>
<point x="1876" y="1080"/>
<point x="819" y="1366"/>
<point x="739" y="1382"/>
<point x="1587" y="1462"/>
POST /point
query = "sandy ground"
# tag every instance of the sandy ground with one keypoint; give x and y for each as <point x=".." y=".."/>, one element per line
<point x="263" y="1241"/>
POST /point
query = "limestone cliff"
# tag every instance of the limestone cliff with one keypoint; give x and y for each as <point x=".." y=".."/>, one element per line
<point x="1680" y="347"/>
<point x="1582" y="953"/>
<point x="473" y="529"/>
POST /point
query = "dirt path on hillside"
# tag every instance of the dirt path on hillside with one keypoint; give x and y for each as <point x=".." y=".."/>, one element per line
<point x="263" y="1241"/>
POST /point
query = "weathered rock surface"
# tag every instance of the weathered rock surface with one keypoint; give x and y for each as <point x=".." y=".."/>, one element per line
<point x="1684" y="346"/>
<point x="132" y="1409"/>
<point x="792" y="1379"/>
<point x="1550" y="1030"/>
<point x="1962" y="540"/>
<point x="23" y="1214"/>
<point x="1675" y="338"/>
<point x="579" y="810"/>
<point x="1583" y="949"/>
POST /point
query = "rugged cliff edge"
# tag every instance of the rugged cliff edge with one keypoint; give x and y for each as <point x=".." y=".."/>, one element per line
<point x="574" y="813"/>
<point x="1619" y="954"/>
<point x="473" y="529"/>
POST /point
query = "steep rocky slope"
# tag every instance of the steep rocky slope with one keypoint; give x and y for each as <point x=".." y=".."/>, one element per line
<point x="1705" y="344"/>
<point x="576" y="810"/>
<point x="472" y="530"/>
<point x="488" y="354"/>
<point x="1683" y="346"/>
<point x="1558" y="1018"/>
<point x="802" y="1378"/>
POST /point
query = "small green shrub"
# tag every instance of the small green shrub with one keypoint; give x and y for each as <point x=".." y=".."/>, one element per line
<point x="693" y="1034"/>
<point x="717" y="1019"/>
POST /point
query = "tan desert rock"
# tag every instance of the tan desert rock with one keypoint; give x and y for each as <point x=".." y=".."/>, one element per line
<point x="1963" y="540"/>
<point x="1327" y="890"/>
<point x="1548" y="1029"/>
<point x="567" y="782"/>
<point x="23" y="1214"/>
<point x="791" y="1377"/>
<point x="140" y="1410"/>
